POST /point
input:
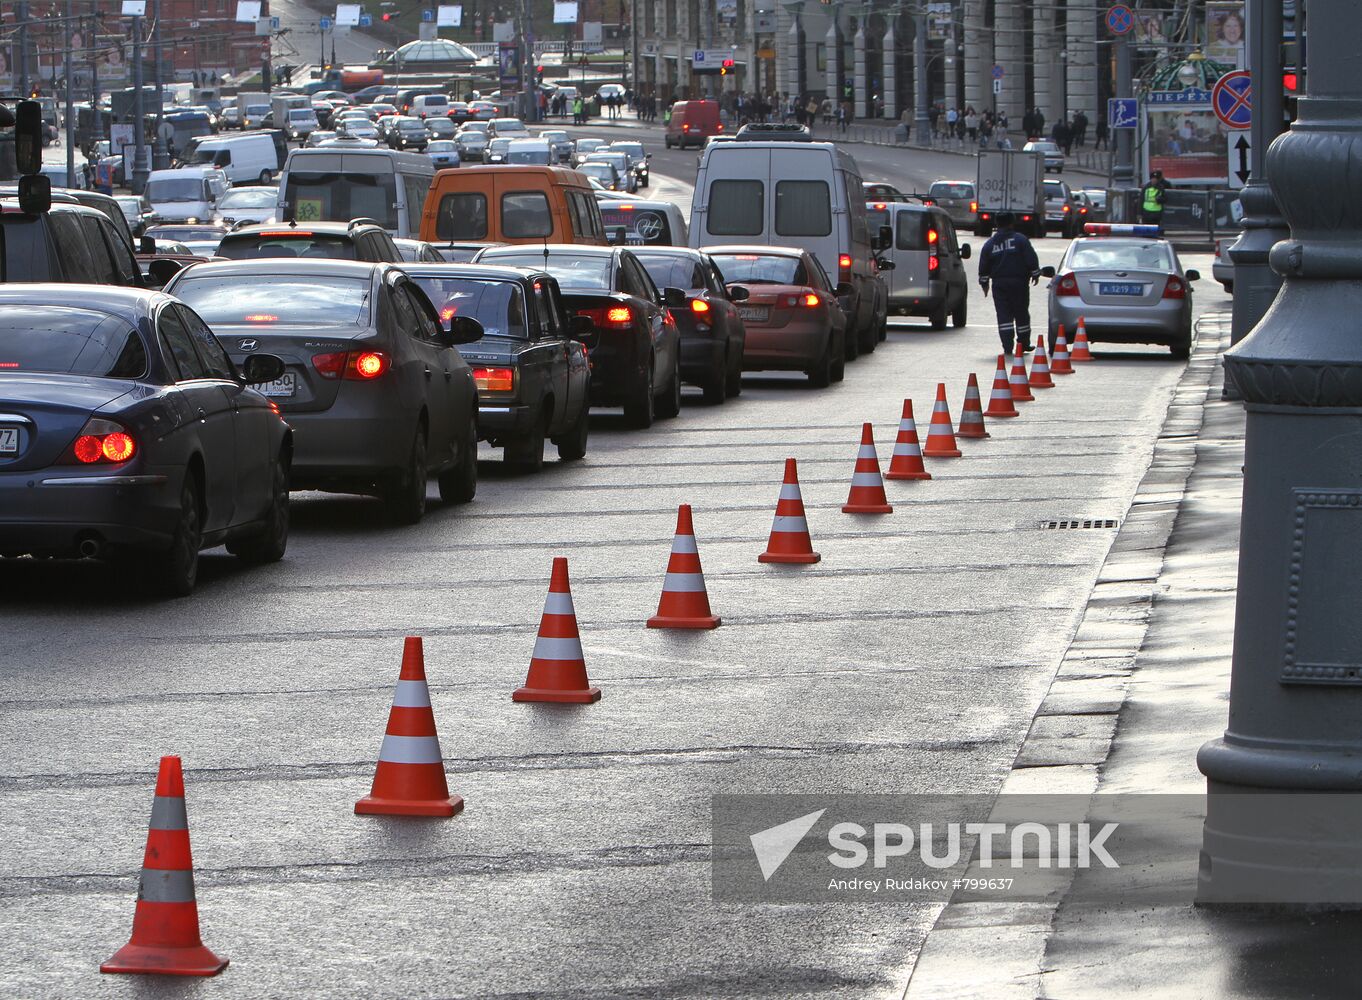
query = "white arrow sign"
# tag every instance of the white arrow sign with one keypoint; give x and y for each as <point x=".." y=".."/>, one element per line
<point x="1240" y="148"/>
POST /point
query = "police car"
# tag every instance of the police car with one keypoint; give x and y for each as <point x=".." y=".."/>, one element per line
<point x="1127" y="285"/>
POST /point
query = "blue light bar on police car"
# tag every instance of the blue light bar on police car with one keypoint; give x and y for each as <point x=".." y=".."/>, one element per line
<point x="1119" y="229"/>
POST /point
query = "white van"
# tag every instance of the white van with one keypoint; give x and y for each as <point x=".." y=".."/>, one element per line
<point x="245" y="159"/>
<point x="301" y="123"/>
<point x="428" y="105"/>
<point x="805" y="195"/>
<point x="337" y="183"/>
<point x="186" y="194"/>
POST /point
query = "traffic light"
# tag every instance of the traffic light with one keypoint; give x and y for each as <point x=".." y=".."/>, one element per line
<point x="387" y="17"/>
<point x="726" y="68"/>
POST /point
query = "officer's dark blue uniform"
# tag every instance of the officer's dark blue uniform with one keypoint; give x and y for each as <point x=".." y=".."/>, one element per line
<point x="1009" y="261"/>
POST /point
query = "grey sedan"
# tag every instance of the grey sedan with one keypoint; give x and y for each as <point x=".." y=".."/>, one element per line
<point x="1127" y="290"/>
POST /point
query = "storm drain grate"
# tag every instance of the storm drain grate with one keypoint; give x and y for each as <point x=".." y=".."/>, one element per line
<point x="1076" y="523"/>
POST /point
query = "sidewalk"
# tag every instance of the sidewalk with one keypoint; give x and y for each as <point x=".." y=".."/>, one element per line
<point x="1144" y="685"/>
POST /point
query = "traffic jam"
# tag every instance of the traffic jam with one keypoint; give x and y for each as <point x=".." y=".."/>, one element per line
<point x="358" y="309"/>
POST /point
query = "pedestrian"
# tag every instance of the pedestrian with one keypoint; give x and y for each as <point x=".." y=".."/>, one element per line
<point x="1080" y="129"/>
<point x="842" y="116"/>
<point x="972" y="124"/>
<point x="934" y="119"/>
<point x="952" y="122"/>
<point x="1008" y="262"/>
<point x="1029" y="123"/>
<point x="1063" y="136"/>
<point x="1151" y="199"/>
<point x="1039" y="122"/>
<point x="1100" y="135"/>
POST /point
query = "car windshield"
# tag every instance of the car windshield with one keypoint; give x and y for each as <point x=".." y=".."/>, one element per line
<point x="1099" y="256"/>
<point x="411" y="125"/>
<point x="262" y="299"/>
<point x="300" y="244"/>
<point x="248" y="199"/>
<point x="601" y="171"/>
<point x="498" y="305"/>
<point x="441" y="146"/>
<point x="67" y="341"/>
<point x="952" y="191"/>
<point x="168" y="189"/>
<point x="572" y="271"/>
<point x="757" y="269"/>
<point x="335" y="196"/>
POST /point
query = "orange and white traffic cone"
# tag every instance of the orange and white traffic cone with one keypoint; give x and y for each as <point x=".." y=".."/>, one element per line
<point x="1080" y="350"/>
<point x="867" y="488"/>
<point x="940" y="432"/>
<point x="165" y="925"/>
<point x="1000" y="399"/>
<point x="906" y="462"/>
<point x="1059" y="354"/>
<point x="685" y="602"/>
<point x="972" y="413"/>
<point x="557" y="668"/>
<point x="410" y="779"/>
<point x="1016" y="380"/>
<point x="789" y="541"/>
<point x="1040" y="368"/>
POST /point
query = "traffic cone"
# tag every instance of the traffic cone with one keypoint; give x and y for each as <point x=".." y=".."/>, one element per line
<point x="557" y="668"/>
<point x="1080" y="351"/>
<point x="789" y="542"/>
<point x="685" y="602"/>
<point x="165" y="925"/>
<point x="410" y="779"/>
<point x="1059" y="354"/>
<point x="1016" y="381"/>
<point x="867" y="488"/>
<point x="1040" y="368"/>
<point x="972" y="413"/>
<point x="906" y="462"/>
<point x="1000" y="399"/>
<point x="940" y="432"/>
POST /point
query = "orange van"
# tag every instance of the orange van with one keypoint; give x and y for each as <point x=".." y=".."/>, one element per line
<point x="691" y="123"/>
<point x="511" y="204"/>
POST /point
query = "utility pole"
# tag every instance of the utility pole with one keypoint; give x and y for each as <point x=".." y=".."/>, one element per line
<point x="70" y="104"/>
<point x="1123" y="166"/>
<point x="160" y="155"/>
<point x="97" y="118"/>
<point x="921" y="121"/>
<point x="21" y="12"/>
<point x="139" y="157"/>
<point x="1295" y="711"/>
<point x="266" y="70"/>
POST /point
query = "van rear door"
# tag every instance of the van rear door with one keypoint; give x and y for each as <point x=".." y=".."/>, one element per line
<point x="734" y="206"/>
<point x="807" y="210"/>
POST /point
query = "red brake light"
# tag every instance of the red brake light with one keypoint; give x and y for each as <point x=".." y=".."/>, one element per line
<point x="719" y="127"/>
<point x="89" y="448"/>
<point x="494" y="379"/>
<point x="1068" y="285"/>
<point x="260" y="318"/>
<point x="933" y="262"/>
<point x="624" y="208"/>
<point x="369" y="364"/>
<point x="932" y="237"/>
<point x="974" y="206"/>
<point x="685" y="127"/>
<point x="619" y="314"/>
<point x="284" y="234"/>
<point x="810" y="299"/>
<point x="101" y="441"/>
<point x="1175" y="289"/>
<point x="1068" y="209"/>
<point x="356" y="365"/>
<point x="447" y="313"/>
<point x="699" y="306"/>
<point x="879" y="206"/>
<point x="844" y="261"/>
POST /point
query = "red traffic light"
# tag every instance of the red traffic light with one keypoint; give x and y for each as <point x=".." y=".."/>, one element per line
<point x="728" y="64"/>
<point x="387" y="17"/>
<point x="1290" y="81"/>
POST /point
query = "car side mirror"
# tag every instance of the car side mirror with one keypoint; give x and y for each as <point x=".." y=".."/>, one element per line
<point x="146" y="244"/>
<point x="965" y="251"/>
<point x="260" y="368"/>
<point x="1193" y="275"/>
<point x="463" y="330"/>
<point x="884" y="265"/>
<point x="674" y="298"/>
<point x="738" y="293"/>
<point x="1047" y="272"/>
<point x="884" y="238"/>
<point x="844" y="289"/>
<point x="161" y="270"/>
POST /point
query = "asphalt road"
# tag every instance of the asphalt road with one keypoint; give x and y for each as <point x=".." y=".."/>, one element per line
<point x="911" y="659"/>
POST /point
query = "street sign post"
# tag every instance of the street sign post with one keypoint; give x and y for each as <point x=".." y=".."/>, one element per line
<point x="324" y="23"/>
<point x="997" y="72"/>
<point x="1123" y="112"/>
<point x="1232" y="99"/>
<point x="997" y="86"/>
<point x="1120" y="19"/>
<point x="366" y="20"/>
<point x="1240" y="146"/>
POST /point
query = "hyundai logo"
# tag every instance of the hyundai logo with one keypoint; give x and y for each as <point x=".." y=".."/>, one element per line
<point x="248" y="345"/>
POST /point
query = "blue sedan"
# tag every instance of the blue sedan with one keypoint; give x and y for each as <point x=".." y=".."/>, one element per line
<point x="127" y="433"/>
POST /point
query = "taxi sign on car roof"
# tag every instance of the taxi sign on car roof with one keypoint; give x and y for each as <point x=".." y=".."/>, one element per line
<point x="1119" y="229"/>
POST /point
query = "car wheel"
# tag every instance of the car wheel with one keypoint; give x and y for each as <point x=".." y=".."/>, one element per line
<point x="174" y="571"/>
<point x="839" y="363"/>
<point x="960" y="317"/>
<point x="820" y="375"/>
<point x="938" y="317"/>
<point x="638" y="408"/>
<point x="460" y="484"/>
<point x="669" y="403"/>
<point x="869" y="337"/>
<point x="405" y="497"/>
<point x="851" y="346"/>
<point x="734" y="385"/>
<point x="526" y="454"/>
<point x="715" y="385"/>
<point x="268" y="544"/>
<point x="265" y="177"/>
<point x="882" y="331"/>
<point x="572" y="445"/>
<point x="1181" y="349"/>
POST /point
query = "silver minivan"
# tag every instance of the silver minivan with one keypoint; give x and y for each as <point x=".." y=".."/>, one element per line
<point x="958" y="200"/>
<point x="928" y="274"/>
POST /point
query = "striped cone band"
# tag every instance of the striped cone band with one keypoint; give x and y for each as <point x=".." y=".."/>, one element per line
<point x="906" y="461"/>
<point x="941" y="432"/>
<point x="789" y="541"/>
<point x="557" y="666"/>
<point x="684" y="602"/>
<point x="972" y="413"/>
<point x="1080" y="350"/>
<point x="1000" y="399"/>
<point x="165" y="925"/>
<point x="1017" y="380"/>
<point x="1040" y="368"/>
<point x="410" y="777"/>
<point x="867" y="488"/>
<point x="1059" y="354"/>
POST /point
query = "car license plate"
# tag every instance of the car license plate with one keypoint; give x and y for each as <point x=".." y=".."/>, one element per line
<point x="9" y="440"/>
<point x="757" y="314"/>
<point x="284" y="385"/>
<point x="1119" y="288"/>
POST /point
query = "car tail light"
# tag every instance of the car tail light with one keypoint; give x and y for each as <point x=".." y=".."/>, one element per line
<point x="613" y="318"/>
<point x="494" y="379"/>
<point x="933" y="237"/>
<point x="284" y="234"/>
<point x="933" y="262"/>
<point x="879" y="206"/>
<point x="699" y="306"/>
<point x="1068" y="285"/>
<point x="844" y="267"/>
<point x="360" y="366"/>
<point x="719" y="127"/>
<point x="1026" y="218"/>
<point x="1175" y="289"/>
<point x="685" y="127"/>
<point x="619" y="314"/>
<point x="101" y="442"/>
<point x="974" y="206"/>
<point x="810" y="299"/>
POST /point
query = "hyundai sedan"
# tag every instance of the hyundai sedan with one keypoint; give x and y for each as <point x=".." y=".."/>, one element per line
<point x="127" y="433"/>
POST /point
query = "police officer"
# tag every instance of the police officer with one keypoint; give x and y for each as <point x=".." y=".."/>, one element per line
<point x="1008" y="260"/>
<point x="1151" y="199"/>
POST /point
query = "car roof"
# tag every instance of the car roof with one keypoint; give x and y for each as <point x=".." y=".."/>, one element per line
<point x="668" y="251"/>
<point x="501" y="272"/>
<point x="317" y="266"/>
<point x="764" y="251"/>
<point x="109" y="298"/>
<point x="553" y="248"/>
<point x="326" y="228"/>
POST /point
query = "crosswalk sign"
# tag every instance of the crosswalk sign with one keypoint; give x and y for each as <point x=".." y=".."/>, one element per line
<point x="1123" y="112"/>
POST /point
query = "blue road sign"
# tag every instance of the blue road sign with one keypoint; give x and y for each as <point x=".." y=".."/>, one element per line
<point x="427" y="16"/>
<point x="1120" y="19"/>
<point x="366" y="20"/>
<point x="325" y="24"/>
<point x="1123" y="112"/>
<point x="997" y="72"/>
<point x="1232" y="99"/>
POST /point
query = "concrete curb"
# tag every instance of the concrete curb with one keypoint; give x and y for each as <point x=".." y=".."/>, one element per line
<point x="995" y="951"/>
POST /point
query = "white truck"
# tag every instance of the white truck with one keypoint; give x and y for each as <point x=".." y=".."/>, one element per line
<point x="1011" y="181"/>
<point x="253" y="106"/>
